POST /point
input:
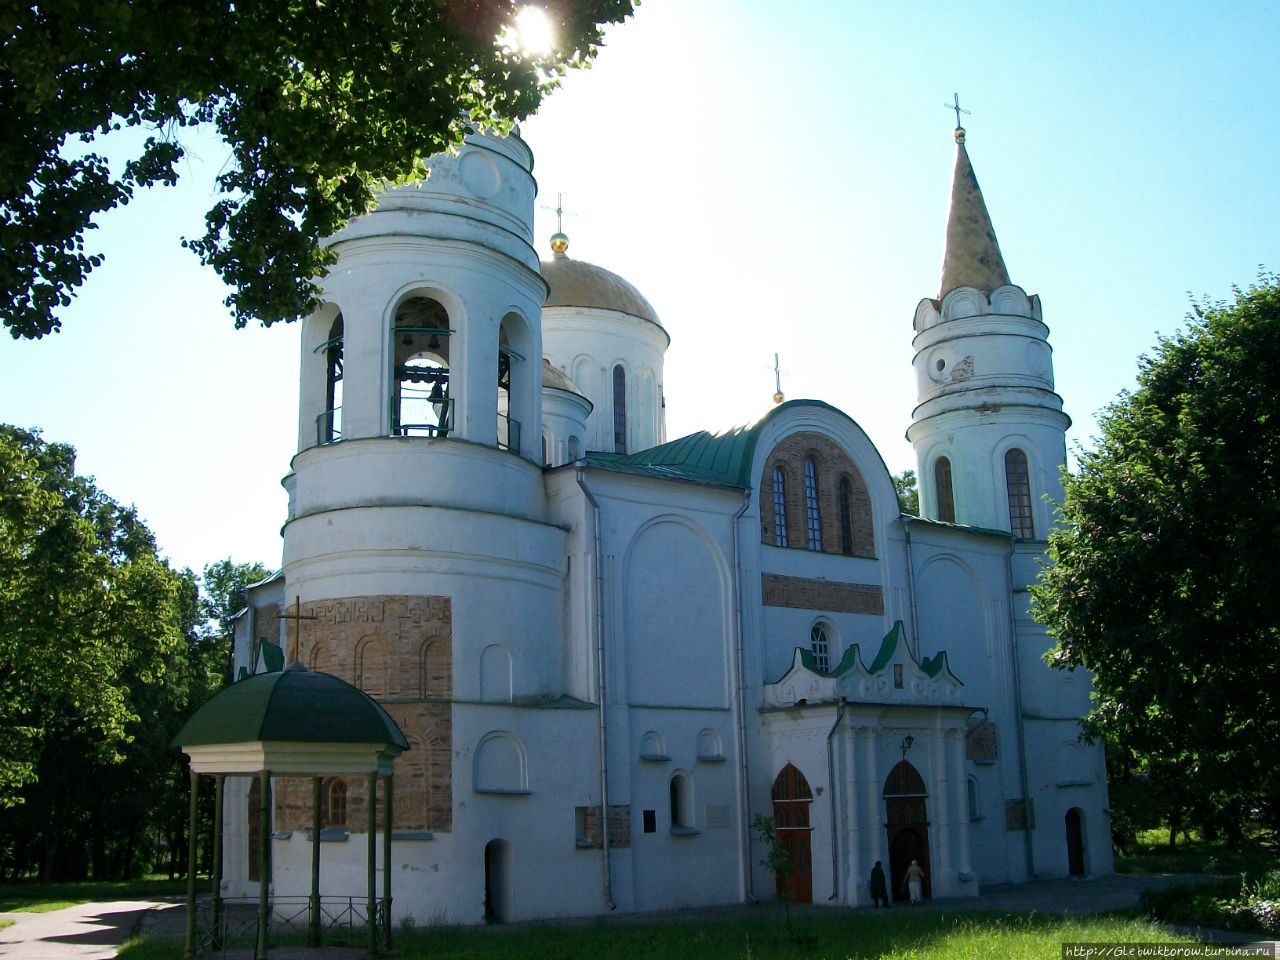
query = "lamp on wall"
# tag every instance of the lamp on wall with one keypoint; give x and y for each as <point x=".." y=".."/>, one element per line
<point x="907" y="741"/>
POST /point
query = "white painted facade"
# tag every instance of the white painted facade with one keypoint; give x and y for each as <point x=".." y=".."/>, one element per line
<point x="627" y="626"/>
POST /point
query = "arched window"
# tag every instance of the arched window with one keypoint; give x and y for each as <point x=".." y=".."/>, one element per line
<point x="334" y="813"/>
<point x="846" y="518"/>
<point x="820" y="648"/>
<point x="619" y="409"/>
<point x="510" y="384"/>
<point x="420" y="404"/>
<point x="812" y="518"/>
<point x="330" y="425"/>
<point x="1018" y="482"/>
<point x="681" y="802"/>
<point x="942" y="490"/>
<point x="779" y="507"/>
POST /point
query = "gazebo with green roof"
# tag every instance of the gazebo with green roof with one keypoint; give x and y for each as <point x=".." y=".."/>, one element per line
<point x="298" y="723"/>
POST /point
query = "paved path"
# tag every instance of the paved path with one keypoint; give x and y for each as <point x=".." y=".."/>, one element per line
<point x="89" y="931"/>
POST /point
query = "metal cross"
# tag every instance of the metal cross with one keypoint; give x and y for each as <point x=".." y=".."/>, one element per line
<point x="297" y="617"/>
<point x="777" y="379"/>
<point x="957" y="108"/>
<point x="560" y="213"/>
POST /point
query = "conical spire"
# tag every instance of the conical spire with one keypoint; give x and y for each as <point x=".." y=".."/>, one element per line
<point x="972" y="257"/>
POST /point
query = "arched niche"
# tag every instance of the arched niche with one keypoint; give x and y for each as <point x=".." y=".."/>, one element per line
<point x="500" y="764"/>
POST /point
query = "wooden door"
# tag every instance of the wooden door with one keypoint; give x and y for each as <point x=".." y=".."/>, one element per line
<point x="791" y="801"/>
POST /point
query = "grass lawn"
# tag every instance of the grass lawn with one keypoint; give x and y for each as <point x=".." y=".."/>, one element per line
<point x="43" y="897"/>
<point x="864" y="934"/>
<point x="1151" y="854"/>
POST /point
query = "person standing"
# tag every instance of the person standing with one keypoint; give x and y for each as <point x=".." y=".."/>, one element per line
<point x="915" y="882"/>
<point x="879" y="891"/>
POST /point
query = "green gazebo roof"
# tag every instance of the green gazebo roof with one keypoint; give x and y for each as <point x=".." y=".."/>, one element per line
<point x="294" y="705"/>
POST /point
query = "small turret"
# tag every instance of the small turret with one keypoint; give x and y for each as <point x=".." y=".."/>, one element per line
<point x="988" y="428"/>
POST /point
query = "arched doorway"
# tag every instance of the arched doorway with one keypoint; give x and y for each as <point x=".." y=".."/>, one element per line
<point x="497" y="881"/>
<point x="907" y="822"/>
<point x="792" y="799"/>
<point x="1075" y="842"/>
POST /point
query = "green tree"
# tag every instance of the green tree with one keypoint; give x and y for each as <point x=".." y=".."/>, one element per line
<point x="908" y="493"/>
<point x="319" y="103"/>
<point x="87" y="609"/>
<point x="1162" y="568"/>
<point x="223" y="594"/>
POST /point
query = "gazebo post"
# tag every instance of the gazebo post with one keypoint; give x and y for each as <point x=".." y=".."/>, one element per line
<point x="264" y="862"/>
<point x="189" y="946"/>
<point x="313" y="905"/>
<point x="386" y="866"/>
<point x="373" y="863"/>
<point x="218" y="784"/>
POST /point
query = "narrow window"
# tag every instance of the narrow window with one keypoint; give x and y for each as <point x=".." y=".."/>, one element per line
<point x="846" y="518"/>
<point x="813" y="521"/>
<point x="779" y="507"/>
<point x="336" y="814"/>
<point x="819" y="647"/>
<point x="330" y="426"/>
<point x="619" y="409"/>
<point x="942" y="490"/>
<point x="1018" y="481"/>
<point x="681" y="802"/>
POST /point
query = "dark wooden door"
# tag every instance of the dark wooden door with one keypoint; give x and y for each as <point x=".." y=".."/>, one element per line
<point x="792" y="799"/>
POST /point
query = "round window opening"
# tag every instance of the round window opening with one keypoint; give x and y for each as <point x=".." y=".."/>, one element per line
<point x="940" y="365"/>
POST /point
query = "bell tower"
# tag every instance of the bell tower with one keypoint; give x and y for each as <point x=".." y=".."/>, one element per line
<point x="988" y="429"/>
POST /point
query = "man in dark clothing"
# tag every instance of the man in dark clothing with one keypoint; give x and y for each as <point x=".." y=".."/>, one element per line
<point x="878" y="889"/>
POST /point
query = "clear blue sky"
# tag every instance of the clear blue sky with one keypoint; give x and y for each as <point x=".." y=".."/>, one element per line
<point x="772" y="182"/>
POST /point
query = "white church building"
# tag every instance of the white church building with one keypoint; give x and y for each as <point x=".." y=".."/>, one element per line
<point x="610" y="651"/>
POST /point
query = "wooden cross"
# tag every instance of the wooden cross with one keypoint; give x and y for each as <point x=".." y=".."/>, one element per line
<point x="560" y="213"/>
<point x="958" y="109"/>
<point x="291" y="652"/>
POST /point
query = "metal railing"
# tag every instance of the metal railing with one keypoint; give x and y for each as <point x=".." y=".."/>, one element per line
<point x="228" y="924"/>
<point x="508" y="433"/>
<point x="329" y="426"/>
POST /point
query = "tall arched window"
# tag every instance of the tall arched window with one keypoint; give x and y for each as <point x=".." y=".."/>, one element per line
<point x="330" y="425"/>
<point x="942" y="490"/>
<point x="820" y="648"/>
<point x="619" y="409"/>
<point x="420" y="404"/>
<point x="1018" y="482"/>
<point x="812" y="518"/>
<point x="846" y="518"/>
<point x="334" y="813"/>
<point x="681" y="802"/>
<point x="779" y="507"/>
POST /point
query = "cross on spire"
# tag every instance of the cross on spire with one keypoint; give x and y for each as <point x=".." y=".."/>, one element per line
<point x="958" y="109"/>
<point x="778" y="396"/>
<point x="559" y="211"/>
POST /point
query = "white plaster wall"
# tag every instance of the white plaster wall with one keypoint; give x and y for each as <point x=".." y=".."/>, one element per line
<point x="588" y="343"/>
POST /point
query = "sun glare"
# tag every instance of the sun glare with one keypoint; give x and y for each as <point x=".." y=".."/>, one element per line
<point x="531" y="33"/>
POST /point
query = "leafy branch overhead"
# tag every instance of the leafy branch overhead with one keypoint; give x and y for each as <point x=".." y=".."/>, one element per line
<point x="320" y="102"/>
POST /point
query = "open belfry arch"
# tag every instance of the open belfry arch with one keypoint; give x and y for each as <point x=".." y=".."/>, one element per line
<point x="605" y="647"/>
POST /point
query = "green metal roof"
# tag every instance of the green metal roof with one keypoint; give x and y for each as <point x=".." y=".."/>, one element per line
<point x="294" y="705"/>
<point x="721" y="459"/>
<point x="887" y="646"/>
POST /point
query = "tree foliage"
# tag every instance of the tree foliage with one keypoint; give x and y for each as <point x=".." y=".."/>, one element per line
<point x="320" y="103"/>
<point x="904" y="484"/>
<point x="1162" y="569"/>
<point x="88" y="612"/>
